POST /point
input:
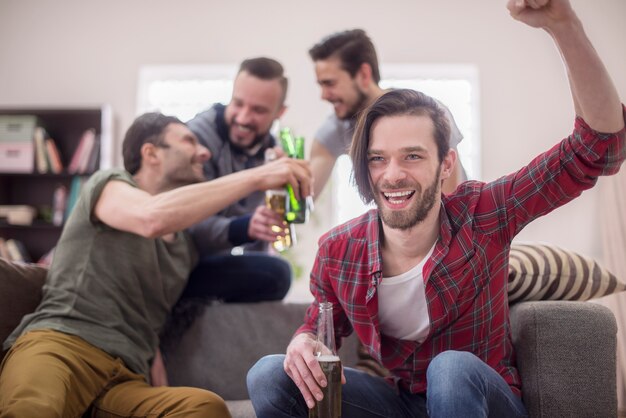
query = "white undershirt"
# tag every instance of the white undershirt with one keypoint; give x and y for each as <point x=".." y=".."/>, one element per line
<point x="402" y="307"/>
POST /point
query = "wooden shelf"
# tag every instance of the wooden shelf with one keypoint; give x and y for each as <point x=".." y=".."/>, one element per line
<point x="66" y="127"/>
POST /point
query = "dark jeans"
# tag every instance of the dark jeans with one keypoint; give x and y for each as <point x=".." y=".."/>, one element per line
<point x="251" y="277"/>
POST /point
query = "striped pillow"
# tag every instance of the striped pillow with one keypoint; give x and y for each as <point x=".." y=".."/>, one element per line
<point x="546" y="272"/>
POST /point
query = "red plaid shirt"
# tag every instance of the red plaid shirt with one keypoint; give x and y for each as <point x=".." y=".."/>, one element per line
<point x="466" y="276"/>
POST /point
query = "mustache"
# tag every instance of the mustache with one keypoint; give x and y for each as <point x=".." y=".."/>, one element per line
<point x="402" y="184"/>
<point x="246" y="126"/>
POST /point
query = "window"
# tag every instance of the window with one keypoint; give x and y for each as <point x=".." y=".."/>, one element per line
<point x="454" y="85"/>
<point x="184" y="90"/>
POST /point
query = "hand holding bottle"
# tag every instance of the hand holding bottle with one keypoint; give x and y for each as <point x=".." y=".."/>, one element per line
<point x="314" y="366"/>
<point x="266" y="224"/>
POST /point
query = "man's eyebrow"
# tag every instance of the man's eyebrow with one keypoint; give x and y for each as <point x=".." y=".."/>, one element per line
<point x="414" y="148"/>
<point x="418" y="148"/>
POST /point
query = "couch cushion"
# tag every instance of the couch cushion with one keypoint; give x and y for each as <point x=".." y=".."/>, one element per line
<point x="235" y="333"/>
<point x="547" y="272"/>
<point x="20" y="293"/>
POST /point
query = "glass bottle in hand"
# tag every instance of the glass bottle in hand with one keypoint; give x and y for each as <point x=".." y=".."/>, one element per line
<point x="326" y="353"/>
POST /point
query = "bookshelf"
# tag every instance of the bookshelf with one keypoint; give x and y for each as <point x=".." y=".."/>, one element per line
<point x="66" y="126"/>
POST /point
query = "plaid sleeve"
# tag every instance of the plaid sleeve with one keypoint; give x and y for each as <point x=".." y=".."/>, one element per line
<point x="550" y="180"/>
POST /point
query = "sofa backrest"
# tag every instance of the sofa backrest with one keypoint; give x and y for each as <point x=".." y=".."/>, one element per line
<point x="20" y="293"/>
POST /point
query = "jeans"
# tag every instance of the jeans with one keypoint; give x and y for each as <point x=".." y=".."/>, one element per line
<point x="459" y="385"/>
<point x="251" y="277"/>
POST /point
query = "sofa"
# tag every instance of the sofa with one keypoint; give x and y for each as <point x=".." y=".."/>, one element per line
<point x="566" y="350"/>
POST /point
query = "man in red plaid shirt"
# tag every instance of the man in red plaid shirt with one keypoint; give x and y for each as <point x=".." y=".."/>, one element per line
<point x="422" y="279"/>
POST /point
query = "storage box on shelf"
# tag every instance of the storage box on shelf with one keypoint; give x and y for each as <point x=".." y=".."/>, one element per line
<point x="25" y="183"/>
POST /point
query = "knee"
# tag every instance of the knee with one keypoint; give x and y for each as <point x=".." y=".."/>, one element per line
<point x="203" y="403"/>
<point x="266" y="371"/>
<point x="279" y="275"/>
<point x="449" y="369"/>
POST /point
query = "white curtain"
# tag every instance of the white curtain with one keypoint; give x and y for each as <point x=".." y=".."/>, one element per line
<point x="613" y="219"/>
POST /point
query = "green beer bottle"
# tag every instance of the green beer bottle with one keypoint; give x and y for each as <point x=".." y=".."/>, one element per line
<point x="297" y="209"/>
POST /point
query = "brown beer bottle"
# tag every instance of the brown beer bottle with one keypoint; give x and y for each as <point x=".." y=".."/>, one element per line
<point x="326" y="353"/>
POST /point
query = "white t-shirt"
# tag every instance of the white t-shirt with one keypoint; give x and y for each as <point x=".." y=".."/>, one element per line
<point x="402" y="307"/>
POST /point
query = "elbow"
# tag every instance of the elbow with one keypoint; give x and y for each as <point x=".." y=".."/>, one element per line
<point x="152" y="226"/>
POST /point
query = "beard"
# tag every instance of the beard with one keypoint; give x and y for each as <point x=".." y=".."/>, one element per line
<point x="360" y="104"/>
<point x="416" y="212"/>
<point x="184" y="175"/>
<point x="244" y="146"/>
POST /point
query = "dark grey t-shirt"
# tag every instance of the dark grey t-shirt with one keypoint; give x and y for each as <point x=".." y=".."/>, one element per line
<point x="113" y="289"/>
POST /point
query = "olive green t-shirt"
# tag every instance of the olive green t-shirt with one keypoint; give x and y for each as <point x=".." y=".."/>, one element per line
<point x="114" y="289"/>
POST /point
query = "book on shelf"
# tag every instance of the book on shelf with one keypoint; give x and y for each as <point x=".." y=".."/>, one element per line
<point x="59" y="203"/>
<point x="75" y="188"/>
<point x="4" y="251"/>
<point x="47" y="155"/>
<point x="80" y="160"/>
<point x="17" y="148"/>
<point x="17" y="251"/>
<point x="41" y="157"/>
<point x="54" y="156"/>
<point x="92" y="162"/>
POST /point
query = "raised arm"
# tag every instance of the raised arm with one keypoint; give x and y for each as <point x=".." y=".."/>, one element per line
<point x="127" y="208"/>
<point x="595" y="98"/>
<point x="322" y="163"/>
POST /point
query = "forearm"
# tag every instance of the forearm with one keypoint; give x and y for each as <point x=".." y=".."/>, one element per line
<point x="595" y="98"/>
<point x="322" y="164"/>
<point x="183" y="207"/>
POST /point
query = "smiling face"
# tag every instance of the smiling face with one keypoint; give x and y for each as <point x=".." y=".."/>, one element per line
<point x="404" y="168"/>
<point x="182" y="156"/>
<point x="339" y="88"/>
<point x="254" y="106"/>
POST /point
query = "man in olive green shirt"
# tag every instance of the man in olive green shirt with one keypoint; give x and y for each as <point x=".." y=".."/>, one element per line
<point x="120" y="265"/>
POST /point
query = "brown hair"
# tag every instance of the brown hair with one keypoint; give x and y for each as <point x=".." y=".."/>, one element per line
<point x="394" y="103"/>
<point x="147" y="128"/>
<point x="352" y="47"/>
<point x="266" y="69"/>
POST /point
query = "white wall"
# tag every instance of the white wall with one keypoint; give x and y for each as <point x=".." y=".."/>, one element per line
<point x="77" y="52"/>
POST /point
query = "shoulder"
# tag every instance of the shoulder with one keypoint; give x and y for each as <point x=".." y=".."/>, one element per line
<point x="96" y="183"/>
<point x="335" y="135"/>
<point x="332" y="126"/>
<point x="205" y="124"/>
<point x="102" y="177"/>
<point x="206" y="116"/>
<point x="354" y="230"/>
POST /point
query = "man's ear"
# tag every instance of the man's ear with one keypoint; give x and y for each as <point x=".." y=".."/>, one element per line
<point x="363" y="76"/>
<point x="281" y="111"/>
<point x="149" y="154"/>
<point x="448" y="163"/>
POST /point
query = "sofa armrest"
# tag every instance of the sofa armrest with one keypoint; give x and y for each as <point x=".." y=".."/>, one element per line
<point x="566" y="354"/>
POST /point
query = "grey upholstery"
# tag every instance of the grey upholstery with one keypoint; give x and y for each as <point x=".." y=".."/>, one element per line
<point x="565" y="351"/>
<point x="225" y="340"/>
<point x="566" y="357"/>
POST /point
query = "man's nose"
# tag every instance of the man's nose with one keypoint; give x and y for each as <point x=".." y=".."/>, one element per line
<point x="243" y="116"/>
<point x="394" y="172"/>
<point x="203" y="153"/>
<point x="326" y="94"/>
